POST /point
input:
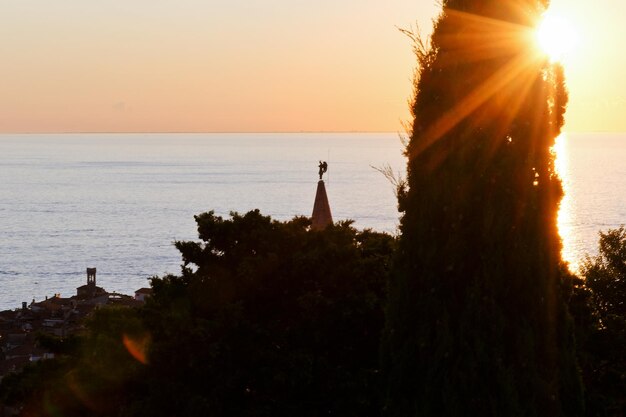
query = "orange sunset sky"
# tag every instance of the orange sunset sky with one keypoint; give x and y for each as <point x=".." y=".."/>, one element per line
<point x="252" y="65"/>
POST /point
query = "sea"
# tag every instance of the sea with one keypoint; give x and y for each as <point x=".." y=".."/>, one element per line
<point x="118" y="202"/>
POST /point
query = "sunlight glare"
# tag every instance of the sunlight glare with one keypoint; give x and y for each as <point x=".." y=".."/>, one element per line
<point x="564" y="219"/>
<point x="556" y="36"/>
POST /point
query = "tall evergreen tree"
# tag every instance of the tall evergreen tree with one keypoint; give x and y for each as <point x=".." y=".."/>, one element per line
<point x="476" y="325"/>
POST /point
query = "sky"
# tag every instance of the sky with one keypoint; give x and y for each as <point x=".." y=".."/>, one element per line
<point x="254" y="65"/>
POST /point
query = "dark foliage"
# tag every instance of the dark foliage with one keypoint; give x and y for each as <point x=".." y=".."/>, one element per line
<point x="601" y="325"/>
<point x="477" y="324"/>
<point x="287" y="321"/>
<point x="94" y="374"/>
<point x="605" y="274"/>
<point x="267" y="319"/>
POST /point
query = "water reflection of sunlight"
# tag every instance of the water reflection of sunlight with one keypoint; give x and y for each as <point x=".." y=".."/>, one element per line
<point x="564" y="220"/>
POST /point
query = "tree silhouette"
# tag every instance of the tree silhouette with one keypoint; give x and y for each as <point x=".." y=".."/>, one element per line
<point x="267" y="318"/>
<point x="270" y="319"/>
<point x="602" y="331"/>
<point x="476" y="324"/>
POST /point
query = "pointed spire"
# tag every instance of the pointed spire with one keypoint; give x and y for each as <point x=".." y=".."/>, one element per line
<point x="321" y="216"/>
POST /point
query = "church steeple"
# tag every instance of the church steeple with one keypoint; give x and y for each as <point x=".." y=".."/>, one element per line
<point x="321" y="216"/>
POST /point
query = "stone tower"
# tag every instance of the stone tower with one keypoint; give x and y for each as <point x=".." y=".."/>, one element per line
<point x="90" y="290"/>
<point x="91" y="276"/>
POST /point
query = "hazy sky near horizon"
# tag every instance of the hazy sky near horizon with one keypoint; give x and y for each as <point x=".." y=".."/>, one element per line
<point x="252" y="65"/>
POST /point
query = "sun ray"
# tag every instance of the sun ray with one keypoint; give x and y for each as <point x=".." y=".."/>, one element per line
<point x="486" y="38"/>
<point x="483" y="37"/>
<point x="481" y="94"/>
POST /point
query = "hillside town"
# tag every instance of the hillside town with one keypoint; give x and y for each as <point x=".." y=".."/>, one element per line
<point x="56" y="316"/>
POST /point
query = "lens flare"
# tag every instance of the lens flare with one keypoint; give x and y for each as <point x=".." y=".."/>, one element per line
<point x="137" y="346"/>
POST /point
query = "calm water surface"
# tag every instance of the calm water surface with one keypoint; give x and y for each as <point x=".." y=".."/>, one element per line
<point x="117" y="202"/>
<point x="593" y="169"/>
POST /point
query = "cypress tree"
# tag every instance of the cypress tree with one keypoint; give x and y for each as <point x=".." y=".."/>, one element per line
<point x="476" y="324"/>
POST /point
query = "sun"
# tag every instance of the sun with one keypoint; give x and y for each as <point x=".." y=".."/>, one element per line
<point x="556" y="37"/>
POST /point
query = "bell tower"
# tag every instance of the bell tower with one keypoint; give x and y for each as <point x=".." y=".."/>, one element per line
<point x="91" y="277"/>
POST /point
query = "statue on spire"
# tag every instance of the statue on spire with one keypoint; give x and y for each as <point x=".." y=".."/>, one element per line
<point x="323" y="166"/>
